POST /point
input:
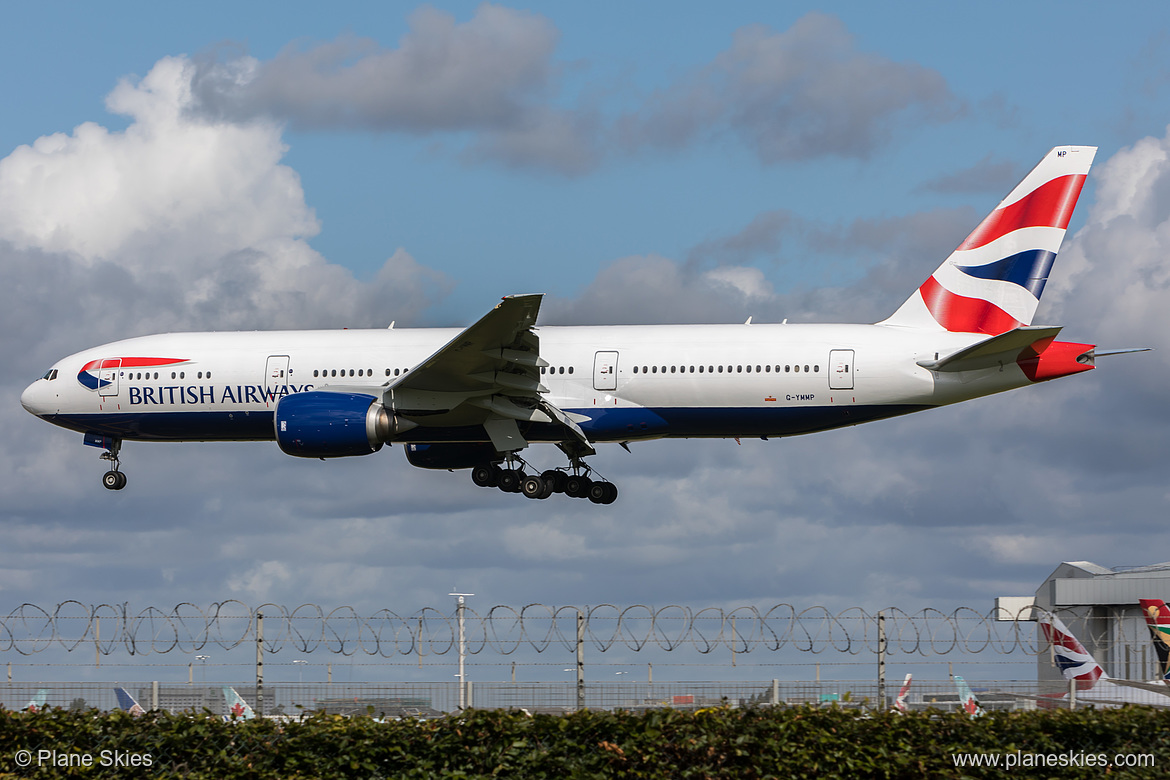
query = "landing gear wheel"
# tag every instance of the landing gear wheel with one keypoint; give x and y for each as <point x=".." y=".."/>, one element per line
<point x="577" y="486"/>
<point x="484" y="476"/>
<point x="114" y="480"/>
<point x="510" y="480"/>
<point x="556" y="479"/>
<point x="603" y="493"/>
<point x="533" y="487"/>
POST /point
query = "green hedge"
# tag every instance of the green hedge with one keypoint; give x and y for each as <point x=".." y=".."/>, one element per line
<point x="723" y="743"/>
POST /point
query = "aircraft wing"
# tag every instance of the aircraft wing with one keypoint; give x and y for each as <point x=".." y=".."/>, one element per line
<point x="1004" y="348"/>
<point x="1155" y="687"/>
<point x="487" y="375"/>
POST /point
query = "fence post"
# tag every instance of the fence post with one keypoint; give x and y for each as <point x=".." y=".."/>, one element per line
<point x="154" y="695"/>
<point x="881" y="694"/>
<point x="775" y="692"/>
<point x="260" y="664"/>
<point x="1072" y="694"/>
<point x="580" y="660"/>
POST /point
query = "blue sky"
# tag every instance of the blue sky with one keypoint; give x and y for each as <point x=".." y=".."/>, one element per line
<point x="296" y="165"/>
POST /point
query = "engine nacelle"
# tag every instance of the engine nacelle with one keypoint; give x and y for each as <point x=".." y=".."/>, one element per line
<point x="462" y="455"/>
<point x="320" y="424"/>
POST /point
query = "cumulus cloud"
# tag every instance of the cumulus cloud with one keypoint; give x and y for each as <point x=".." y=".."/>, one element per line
<point x="492" y="88"/>
<point x="184" y="223"/>
<point x="802" y="93"/>
<point x="492" y="77"/>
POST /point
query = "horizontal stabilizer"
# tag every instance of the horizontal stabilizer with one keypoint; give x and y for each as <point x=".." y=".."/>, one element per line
<point x="1004" y="348"/>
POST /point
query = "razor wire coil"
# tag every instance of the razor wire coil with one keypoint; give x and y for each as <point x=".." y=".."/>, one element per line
<point x="504" y="630"/>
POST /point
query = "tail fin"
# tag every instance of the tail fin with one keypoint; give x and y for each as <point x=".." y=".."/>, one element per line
<point x="37" y="703"/>
<point x="900" y="702"/>
<point x="237" y="707"/>
<point x="127" y="702"/>
<point x="967" y="699"/>
<point x="1158" y="621"/>
<point x="1074" y="660"/>
<point x="993" y="281"/>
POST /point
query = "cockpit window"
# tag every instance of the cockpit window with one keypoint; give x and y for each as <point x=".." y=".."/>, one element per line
<point x="51" y="375"/>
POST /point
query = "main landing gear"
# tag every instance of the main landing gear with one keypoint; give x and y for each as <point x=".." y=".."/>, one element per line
<point x="113" y="479"/>
<point x="511" y="478"/>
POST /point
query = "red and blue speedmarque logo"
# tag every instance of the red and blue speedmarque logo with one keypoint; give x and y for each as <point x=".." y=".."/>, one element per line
<point x="96" y="374"/>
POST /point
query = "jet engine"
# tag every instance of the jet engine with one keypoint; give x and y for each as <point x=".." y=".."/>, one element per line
<point x="321" y="424"/>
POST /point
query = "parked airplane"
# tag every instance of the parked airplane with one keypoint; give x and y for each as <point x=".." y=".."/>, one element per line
<point x="127" y="702"/>
<point x="474" y="398"/>
<point x="37" y="703"/>
<point x="1158" y="621"/>
<point x="237" y="707"/>
<point x="967" y="698"/>
<point x="900" y="701"/>
<point x="1093" y="685"/>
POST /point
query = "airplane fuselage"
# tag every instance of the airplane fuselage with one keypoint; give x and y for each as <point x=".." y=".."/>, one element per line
<point x="622" y="383"/>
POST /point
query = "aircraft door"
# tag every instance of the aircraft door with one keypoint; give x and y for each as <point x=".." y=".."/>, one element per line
<point x="841" y="369"/>
<point x="108" y="376"/>
<point x="275" y="378"/>
<point x="605" y="371"/>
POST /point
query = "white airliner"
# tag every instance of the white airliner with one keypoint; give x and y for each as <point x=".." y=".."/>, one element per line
<point x="475" y="398"/>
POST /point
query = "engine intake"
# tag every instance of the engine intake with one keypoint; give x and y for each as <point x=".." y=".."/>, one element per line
<point x="320" y="424"/>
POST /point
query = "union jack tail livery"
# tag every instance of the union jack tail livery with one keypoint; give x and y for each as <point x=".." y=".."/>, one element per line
<point x="992" y="283"/>
<point x="1158" y="620"/>
<point x="1074" y="660"/>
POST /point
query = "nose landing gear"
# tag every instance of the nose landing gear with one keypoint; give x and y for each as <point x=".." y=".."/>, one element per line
<point x="113" y="479"/>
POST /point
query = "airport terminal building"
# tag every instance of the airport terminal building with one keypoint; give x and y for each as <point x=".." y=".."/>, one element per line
<point x="1100" y="606"/>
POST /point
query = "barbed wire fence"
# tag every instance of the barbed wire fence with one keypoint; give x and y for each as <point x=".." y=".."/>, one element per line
<point x="503" y="630"/>
<point x="853" y="645"/>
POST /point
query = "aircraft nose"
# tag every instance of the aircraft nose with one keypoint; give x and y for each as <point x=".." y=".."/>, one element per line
<point x="33" y="398"/>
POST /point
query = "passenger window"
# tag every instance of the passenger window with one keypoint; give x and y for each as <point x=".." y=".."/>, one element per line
<point x="796" y="369"/>
<point x="700" y="369"/>
<point x="720" y="369"/>
<point x="816" y="369"/>
<point x="655" y="369"/>
<point x="570" y="369"/>
<point x="672" y="369"/>
<point x="806" y="369"/>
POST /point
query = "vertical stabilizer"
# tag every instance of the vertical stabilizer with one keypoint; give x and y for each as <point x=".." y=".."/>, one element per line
<point x="1158" y="621"/>
<point x="1074" y="660"/>
<point x="237" y="707"/>
<point x="992" y="283"/>
<point x="967" y="698"/>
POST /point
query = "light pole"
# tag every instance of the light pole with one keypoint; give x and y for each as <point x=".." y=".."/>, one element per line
<point x="300" y="664"/>
<point x="202" y="659"/>
<point x="459" y="609"/>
